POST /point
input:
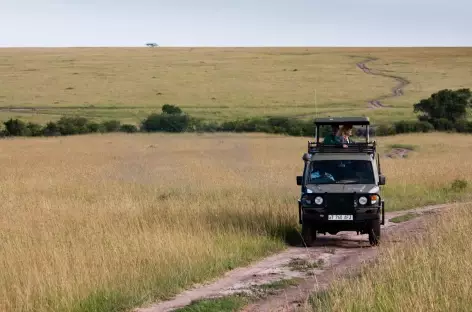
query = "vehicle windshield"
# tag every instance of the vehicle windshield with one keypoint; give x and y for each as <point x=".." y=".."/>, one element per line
<point x="341" y="172"/>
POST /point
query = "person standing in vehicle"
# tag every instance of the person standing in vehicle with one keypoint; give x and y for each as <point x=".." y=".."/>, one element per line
<point x="344" y="135"/>
<point x="332" y="138"/>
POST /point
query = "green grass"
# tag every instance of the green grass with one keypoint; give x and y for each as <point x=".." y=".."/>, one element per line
<point x="238" y="301"/>
<point x="223" y="83"/>
<point x="403" y="218"/>
<point x="225" y="304"/>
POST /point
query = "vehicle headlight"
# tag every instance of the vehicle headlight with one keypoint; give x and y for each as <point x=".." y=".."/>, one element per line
<point x="318" y="200"/>
<point x="363" y="200"/>
<point x="374" y="199"/>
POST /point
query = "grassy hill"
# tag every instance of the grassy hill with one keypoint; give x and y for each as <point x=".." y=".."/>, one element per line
<point x="222" y="83"/>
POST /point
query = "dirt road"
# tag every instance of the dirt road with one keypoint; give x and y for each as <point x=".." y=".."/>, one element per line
<point x="396" y="91"/>
<point x="315" y="267"/>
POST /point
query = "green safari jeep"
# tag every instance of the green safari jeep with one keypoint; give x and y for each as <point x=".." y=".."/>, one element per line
<point x="340" y="186"/>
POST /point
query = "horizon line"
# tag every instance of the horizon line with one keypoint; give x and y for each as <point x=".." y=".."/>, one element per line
<point x="234" y="46"/>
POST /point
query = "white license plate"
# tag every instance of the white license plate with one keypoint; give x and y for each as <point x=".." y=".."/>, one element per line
<point x="340" y="217"/>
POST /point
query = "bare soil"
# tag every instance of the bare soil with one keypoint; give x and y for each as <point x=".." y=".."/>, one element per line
<point x="314" y="267"/>
<point x="398" y="153"/>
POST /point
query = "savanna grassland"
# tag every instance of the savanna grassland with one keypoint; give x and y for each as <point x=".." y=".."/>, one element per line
<point x="221" y="83"/>
<point x="108" y="222"/>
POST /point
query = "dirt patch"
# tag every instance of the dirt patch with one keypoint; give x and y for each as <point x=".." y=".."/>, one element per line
<point x="400" y="150"/>
<point x="396" y="91"/>
<point x="398" y="153"/>
<point x="315" y="267"/>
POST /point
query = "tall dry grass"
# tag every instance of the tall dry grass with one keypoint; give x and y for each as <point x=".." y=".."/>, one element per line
<point x="102" y="222"/>
<point x="431" y="272"/>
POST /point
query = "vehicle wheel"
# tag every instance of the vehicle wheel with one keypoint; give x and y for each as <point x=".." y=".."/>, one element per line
<point x="374" y="233"/>
<point x="308" y="234"/>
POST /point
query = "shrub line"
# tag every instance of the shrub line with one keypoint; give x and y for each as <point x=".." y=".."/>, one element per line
<point x="445" y="110"/>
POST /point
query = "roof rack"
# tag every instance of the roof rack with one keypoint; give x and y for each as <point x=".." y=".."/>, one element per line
<point x="316" y="147"/>
<point x="364" y="121"/>
<point x="341" y="121"/>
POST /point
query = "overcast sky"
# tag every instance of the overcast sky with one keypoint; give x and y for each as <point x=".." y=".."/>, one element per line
<point x="236" y="23"/>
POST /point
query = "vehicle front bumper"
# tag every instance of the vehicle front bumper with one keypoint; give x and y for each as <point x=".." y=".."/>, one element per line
<point x="359" y="215"/>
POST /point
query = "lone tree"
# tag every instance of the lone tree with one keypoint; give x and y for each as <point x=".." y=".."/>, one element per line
<point x="444" y="105"/>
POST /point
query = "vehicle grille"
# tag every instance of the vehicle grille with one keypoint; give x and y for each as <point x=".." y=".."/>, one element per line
<point x="340" y="203"/>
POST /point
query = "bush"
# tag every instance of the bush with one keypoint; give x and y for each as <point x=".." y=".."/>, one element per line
<point x="200" y="125"/>
<point x="128" y="128"/>
<point x="111" y="125"/>
<point x="412" y="126"/>
<point x="290" y="126"/>
<point x="51" y="129"/>
<point x="173" y="119"/>
<point x="15" y="127"/>
<point x="278" y="125"/>
<point x="458" y="185"/>
<point x="34" y="129"/>
<point x="362" y="131"/>
<point x="443" y="124"/>
<point x="95" y="127"/>
<point x="445" y="104"/>
<point x="73" y="125"/>
<point x="165" y="123"/>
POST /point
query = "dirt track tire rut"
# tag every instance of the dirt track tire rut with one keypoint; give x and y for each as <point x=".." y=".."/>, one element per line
<point x="396" y="91"/>
<point x="339" y="254"/>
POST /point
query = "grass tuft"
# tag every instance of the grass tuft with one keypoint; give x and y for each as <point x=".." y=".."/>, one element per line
<point x="403" y="218"/>
<point x="225" y="304"/>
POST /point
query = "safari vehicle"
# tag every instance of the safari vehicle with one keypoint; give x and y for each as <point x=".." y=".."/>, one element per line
<point x="340" y="186"/>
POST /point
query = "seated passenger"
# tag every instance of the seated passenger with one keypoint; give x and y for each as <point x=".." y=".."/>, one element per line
<point x="321" y="176"/>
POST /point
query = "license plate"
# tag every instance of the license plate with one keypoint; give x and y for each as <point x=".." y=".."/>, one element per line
<point x="340" y="217"/>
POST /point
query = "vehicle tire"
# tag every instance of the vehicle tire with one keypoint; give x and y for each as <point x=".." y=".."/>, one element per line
<point x="308" y="234"/>
<point x="374" y="233"/>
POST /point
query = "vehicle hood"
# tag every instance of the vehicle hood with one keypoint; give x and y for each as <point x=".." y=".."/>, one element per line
<point x="342" y="188"/>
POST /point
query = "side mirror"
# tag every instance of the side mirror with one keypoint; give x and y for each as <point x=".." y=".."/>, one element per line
<point x="381" y="180"/>
<point x="299" y="180"/>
